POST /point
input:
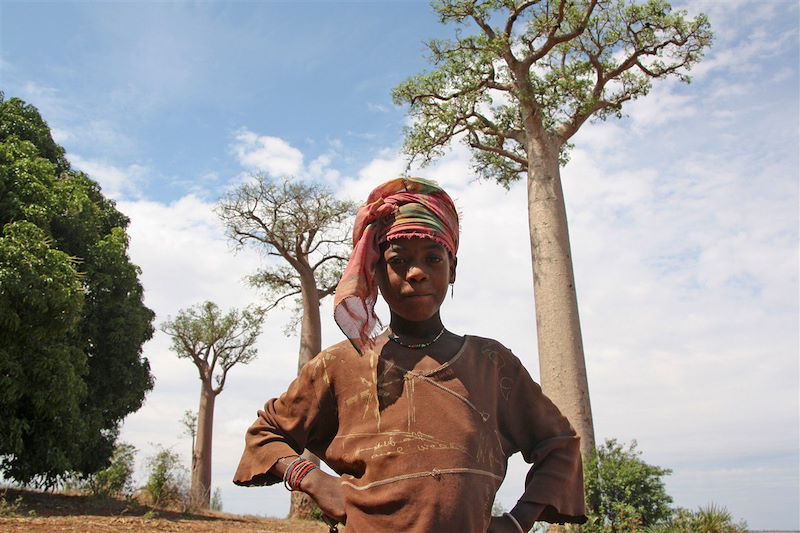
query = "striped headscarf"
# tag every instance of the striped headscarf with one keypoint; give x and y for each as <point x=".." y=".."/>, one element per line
<point x="400" y="208"/>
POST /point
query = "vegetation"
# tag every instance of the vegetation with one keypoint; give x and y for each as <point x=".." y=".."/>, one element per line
<point x="72" y="320"/>
<point x="623" y="492"/>
<point x="516" y="90"/>
<point x="167" y="485"/>
<point x="305" y="226"/>
<point x="117" y="478"/>
<point x="710" y="519"/>
<point x="215" y="343"/>
<point x="216" y="500"/>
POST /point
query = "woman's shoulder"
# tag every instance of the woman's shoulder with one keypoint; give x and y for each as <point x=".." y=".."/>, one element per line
<point x="341" y="354"/>
<point x="491" y="348"/>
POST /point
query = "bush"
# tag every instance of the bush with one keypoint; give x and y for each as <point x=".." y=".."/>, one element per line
<point x="117" y="479"/>
<point x="10" y="509"/>
<point x="623" y="493"/>
<point x="711" y="519"/>
<point x="167" y="482"/>
<point x="216" y="500"/>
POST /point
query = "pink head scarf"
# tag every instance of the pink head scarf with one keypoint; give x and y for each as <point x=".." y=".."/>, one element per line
<point x="400" y="208"/>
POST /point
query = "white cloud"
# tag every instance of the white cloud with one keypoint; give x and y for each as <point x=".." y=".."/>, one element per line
<point x="267" y="154"/>
<point x="117" y="183"/>
<point x="661" y="106"/>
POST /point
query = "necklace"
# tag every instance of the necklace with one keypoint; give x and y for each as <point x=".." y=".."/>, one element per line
<point x="417" y="346"/>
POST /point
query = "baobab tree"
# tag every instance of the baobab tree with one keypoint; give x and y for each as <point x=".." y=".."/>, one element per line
<point x="215" y="343"/>
<point x="516" y="90"/>
<point x="305" y="226"/>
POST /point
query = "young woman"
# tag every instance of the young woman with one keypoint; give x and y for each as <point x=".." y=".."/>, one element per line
<point x="417" y="421"/>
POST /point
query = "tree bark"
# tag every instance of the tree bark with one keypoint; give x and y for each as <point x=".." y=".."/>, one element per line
<point x="201" y="460"/>
<point x="561" y="357"/>
<point x="302" y="506"/>
<point x="310" y="326"/>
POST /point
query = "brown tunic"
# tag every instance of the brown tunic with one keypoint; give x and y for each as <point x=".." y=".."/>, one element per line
<point x="421" y="451"/>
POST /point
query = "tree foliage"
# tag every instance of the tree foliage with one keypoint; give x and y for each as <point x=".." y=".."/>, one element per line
<point x="214" y="341"/>
<point x="536" y="70"/>
<point x="301" y="223"/>
<point x="72" y="320"/>
<point x="623" y="492"/>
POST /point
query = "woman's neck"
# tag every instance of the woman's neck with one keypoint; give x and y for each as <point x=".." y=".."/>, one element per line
<point x="411" y="330"/>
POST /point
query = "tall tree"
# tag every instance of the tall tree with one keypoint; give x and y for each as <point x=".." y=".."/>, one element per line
<point x="515" y="91"/>
<point x="72" y="319"/>
<point x="305" y="226"/>
<point x="215" y="343"/>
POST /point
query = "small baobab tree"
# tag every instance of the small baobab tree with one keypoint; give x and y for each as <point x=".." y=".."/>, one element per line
<point x="215" y="342"/>
<point x="306" y="228"/>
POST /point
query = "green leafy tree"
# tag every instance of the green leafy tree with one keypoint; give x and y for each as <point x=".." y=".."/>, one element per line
<point x="72" y="320"/>
<point x="306" y="227"/>
<point x="215" y="343"/>
<point x="623" y="492"/>
<point x="516" y="90"/>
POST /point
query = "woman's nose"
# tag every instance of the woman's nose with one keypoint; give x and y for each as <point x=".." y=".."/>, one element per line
<point x="415" y="273"/>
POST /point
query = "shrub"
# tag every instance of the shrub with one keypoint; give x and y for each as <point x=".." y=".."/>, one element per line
<point x="710" y="519"/>
<point x="623" y="493"/>
<point x="167" y="481"/>
<point x="10" y="509"/>
<point x="216" y="500"/>
<point x="117" y="478"/>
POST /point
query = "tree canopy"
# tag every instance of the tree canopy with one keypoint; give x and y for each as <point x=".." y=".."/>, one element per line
<point x="537" y="70"/>
<point x="214" y="341"/>
<point x="72" y="319"/>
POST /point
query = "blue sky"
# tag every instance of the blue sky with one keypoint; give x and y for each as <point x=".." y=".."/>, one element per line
<point x="683" y="215"/>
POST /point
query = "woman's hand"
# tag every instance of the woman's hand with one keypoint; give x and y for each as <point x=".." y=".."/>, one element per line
<point x="502" y="524"/>
<point x="326" y="490"/>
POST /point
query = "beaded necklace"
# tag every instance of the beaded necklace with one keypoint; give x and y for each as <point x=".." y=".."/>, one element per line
<point x="416" y="346"/>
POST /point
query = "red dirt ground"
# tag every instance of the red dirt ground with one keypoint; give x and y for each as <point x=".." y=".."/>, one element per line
<point x="40" y="512"/>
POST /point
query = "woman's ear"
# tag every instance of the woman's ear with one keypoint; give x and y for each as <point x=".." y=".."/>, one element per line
<point x="453" y="264"/>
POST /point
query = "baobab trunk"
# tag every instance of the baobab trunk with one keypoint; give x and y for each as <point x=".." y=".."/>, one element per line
<point x="561" y="358"/>
<point x="201" y="461"/>
<point x="302" y="506"/>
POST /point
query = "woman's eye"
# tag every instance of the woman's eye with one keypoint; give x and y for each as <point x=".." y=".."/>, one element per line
<point x="434" y="259"/>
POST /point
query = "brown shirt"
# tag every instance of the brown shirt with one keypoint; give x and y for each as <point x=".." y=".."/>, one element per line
<point x="421" y="450"/>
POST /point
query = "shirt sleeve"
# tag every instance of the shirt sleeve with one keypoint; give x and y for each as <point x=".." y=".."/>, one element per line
<point x="537" y="429"/>
<point x="305" y="416"/>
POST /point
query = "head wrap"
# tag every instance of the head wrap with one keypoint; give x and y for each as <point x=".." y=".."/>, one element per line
<point x="400" y="208"/>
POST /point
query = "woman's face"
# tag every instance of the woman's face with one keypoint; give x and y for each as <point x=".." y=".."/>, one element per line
<point x="413" y="276"/>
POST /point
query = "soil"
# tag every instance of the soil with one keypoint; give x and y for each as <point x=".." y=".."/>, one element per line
<point x="40" y="512"/>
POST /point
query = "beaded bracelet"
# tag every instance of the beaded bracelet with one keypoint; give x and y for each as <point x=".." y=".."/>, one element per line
<point x="516" y="522"/>
<point x="296" y="472"/>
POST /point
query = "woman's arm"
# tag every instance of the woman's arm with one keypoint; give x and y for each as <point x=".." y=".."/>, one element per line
<point x="324" y="489"/>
